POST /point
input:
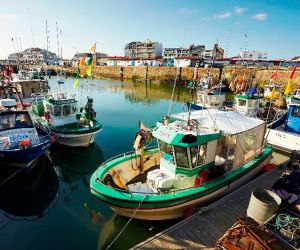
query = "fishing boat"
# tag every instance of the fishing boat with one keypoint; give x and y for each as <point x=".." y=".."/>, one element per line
<point x="200" y="156"/>
<point x="293" y="98"/>
<point x="255" y="106"/>
<point x="286" y="136"/>
<point x="21" y="141"/>
<point x="71" y="126"/>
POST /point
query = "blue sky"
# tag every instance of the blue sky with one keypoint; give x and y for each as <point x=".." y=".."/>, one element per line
<point x="270" y="25"/>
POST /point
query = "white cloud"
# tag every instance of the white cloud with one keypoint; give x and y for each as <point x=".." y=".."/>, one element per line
<point x="222" y="16"/>
<point x="9" y="17"/>
<point x="239" y="10"/>
<point x="187" y="11"/>
<point x="260" y="17"/>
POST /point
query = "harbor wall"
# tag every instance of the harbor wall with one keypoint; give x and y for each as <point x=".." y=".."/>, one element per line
<point x="168" y="74"/>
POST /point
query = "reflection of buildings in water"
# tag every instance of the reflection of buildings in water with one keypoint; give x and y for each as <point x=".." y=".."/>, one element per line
<point x="74" y="166"/>
<point x="30" y="192"/>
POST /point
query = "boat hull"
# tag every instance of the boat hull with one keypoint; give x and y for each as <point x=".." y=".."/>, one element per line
<point x="282" y="140"/>
<point x="25" y="157"/>
<point x="147" y="207"/>
<point x="76" y="140"/>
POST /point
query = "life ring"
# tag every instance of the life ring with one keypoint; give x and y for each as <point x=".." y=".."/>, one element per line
<point x="47" y="116"/>
<point x="202" y="177"/>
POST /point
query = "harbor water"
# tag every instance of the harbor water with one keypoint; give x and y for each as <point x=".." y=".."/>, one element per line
<point x="49" y="206"/>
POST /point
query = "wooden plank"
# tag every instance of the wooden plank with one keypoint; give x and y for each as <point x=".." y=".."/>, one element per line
<point x="204" y="229"/>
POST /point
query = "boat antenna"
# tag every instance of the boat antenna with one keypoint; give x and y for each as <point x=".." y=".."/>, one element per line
<point x="195" y="78"/>
<point x="18" y="56"/>
<point x="173" y="90"/>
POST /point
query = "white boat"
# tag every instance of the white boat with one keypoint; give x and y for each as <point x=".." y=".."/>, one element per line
<point x="72" y="126"/>
<point x="286" y="136"/>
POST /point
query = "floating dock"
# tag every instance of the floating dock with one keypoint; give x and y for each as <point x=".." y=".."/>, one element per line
<point x="203" y="229"/>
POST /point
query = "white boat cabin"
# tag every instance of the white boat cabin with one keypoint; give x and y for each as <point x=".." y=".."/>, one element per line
<point x="204" y="149"/>
<point x="247" y="105"/>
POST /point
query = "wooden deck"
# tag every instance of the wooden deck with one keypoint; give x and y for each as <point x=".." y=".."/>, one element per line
<point x="202" y="230"/>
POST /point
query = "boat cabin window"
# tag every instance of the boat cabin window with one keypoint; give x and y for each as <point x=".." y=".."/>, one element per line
<point x="165" y="150"/>
<point x="57" y="110"/>
<point x="49" y="108"/>
<point x="181" y="157"/>
<point x="296" y="112"/>
<point x="241" y="102"/>
<point x="12" y="121"/>
<point x="66" y="110"/>
<point x="74" y="108"/>
<point x="198" y="155"/>
<point x="251" y="103"/>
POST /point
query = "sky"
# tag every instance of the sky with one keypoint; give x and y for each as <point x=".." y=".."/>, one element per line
<point x="270" y="26"/>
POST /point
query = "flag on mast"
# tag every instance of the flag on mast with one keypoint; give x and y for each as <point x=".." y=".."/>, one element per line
<point x="293" y="72"/>
<point x="93" y="48"/>
<point x="289" y="87"/>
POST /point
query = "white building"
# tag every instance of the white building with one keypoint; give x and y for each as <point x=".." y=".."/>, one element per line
<point x="148" y="49"/>
<point x="33" y="56"/>
<point x="175" y="52"/>
<point x="253" y="55"/>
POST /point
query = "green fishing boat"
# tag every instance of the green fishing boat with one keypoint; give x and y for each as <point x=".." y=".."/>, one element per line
<point x="200" y="156"/>
<point x="72" y="126"/>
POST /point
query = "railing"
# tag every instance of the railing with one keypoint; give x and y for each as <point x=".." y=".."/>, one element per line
<point x="128" y="153"/>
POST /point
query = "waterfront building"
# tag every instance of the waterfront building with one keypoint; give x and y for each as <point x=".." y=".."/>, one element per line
<point x="196" y="50"/>
<point x="99" y="57"/>
<point x="175" y="52"/>
<point x="253" y="55"/>
<point x="33" y="56"/>
<point x="130" y="49"/>
<point x="148" y="49"/>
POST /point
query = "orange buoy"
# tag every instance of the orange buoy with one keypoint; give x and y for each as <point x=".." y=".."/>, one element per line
<point x="25" y="143"/>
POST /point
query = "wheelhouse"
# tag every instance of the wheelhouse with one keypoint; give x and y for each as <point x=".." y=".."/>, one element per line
<point x="293" y="120"/>
<point x="246" y="105"/>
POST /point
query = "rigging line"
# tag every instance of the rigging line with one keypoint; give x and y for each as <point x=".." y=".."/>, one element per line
<point x="172" y="96"/>
<point x="127" y="223"/>
<point x="30" y="24"/>
<point x="11" y="176"/>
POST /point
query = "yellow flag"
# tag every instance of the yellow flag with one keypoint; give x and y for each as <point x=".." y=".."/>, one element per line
<point x="75" y="85"/>
<point x="89" y="71"/>
<point x="231" y="86"/>
<point x="93" y="48"/>
<point x="289" y="88"/>
<point x="273" y="94"/>
<point x="227" y="75"/>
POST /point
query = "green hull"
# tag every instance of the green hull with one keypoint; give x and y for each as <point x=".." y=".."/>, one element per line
<point x="124" y="199"/>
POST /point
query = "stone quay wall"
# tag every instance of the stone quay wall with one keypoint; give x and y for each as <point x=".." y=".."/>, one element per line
<point x="168" y="74"/>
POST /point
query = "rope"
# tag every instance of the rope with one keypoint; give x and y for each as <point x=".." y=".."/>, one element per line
<point x="126" y="223"/>
<point x="288" y="224"/>
<point x="11" y="176"/>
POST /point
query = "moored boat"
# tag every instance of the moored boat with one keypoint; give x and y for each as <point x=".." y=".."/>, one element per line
<point x="72" y="126"/>
<point x="285" y="136"/>
<point x="21" y="142"/>
<point x="201" y="155"/>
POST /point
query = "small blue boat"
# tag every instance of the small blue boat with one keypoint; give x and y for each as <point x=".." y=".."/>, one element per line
<point x="21" y="142"/>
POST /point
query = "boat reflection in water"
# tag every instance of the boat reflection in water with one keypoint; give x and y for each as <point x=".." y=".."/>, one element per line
<point x="73" y="164"/>
<point x="112" y="227"/>
<point x="30" y="193"/>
